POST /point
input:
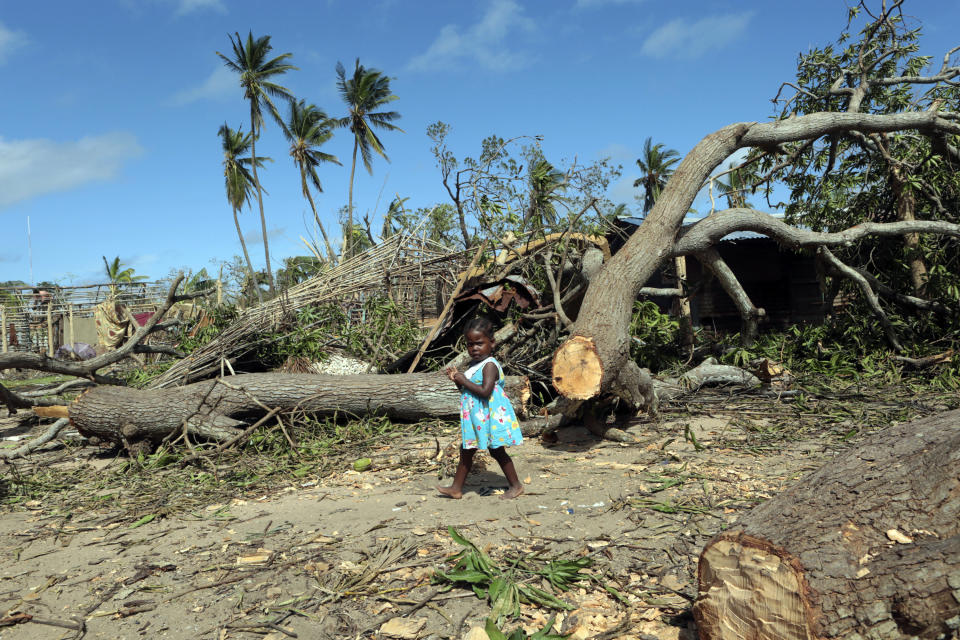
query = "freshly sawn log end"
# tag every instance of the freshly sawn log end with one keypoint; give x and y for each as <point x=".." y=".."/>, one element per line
<point x="577" y="369"/>
<point x="751" y="589"/>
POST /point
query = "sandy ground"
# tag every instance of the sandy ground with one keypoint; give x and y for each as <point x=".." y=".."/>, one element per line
<point x="352" y="555"/>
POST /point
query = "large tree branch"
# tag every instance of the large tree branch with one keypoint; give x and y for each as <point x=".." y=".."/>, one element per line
<point x="904" y="299"/>
<point x="816" y="125"/>
<point x="750" y="314"/>
<point x="13" y="400"/>
<point x="709" y="231"/>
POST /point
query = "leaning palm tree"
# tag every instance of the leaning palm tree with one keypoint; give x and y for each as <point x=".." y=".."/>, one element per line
<point x="307" y="128"/>
<point x="364" y="92"/>
<point x="256" y="72"/>
<point x="239" y="183"/>
<point x="656" y="163"/>
<point x="547" y="184"/>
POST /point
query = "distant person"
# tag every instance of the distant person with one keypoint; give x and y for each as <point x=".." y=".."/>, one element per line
<point x="487" y="419"/>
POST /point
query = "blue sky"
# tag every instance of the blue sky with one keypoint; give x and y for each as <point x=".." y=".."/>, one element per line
<point x="110" y="108"/>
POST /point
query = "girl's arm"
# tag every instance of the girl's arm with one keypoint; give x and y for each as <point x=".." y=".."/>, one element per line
<point x="484" y="390"/>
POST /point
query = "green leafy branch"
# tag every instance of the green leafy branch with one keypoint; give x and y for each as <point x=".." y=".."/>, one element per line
<point x="506" y="588"/>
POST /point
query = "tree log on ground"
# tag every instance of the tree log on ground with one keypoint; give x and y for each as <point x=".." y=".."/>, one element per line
<point x="866" y="547"/>
<point x="707" y="373"/>
<point x="216" y="408"/>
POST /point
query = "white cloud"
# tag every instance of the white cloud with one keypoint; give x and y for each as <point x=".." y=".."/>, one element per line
<point x="221" y="83"/>
<point x="692" y="39"/>
<point x="189" y="6"/>
<point x="10" y="41"/>
<point x="484" y="43"/>
<point x="30" y="168"/>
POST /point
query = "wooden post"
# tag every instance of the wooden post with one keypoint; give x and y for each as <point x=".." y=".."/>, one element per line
<point x="50" y="328"/>
<point x="73" y="339"/>
<point x="683" y="302"/>
<point x="446" y="308"/>
<point x="3" y="323"/>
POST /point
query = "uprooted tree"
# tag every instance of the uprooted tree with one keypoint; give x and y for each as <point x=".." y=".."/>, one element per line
<point x="866" y="115"/>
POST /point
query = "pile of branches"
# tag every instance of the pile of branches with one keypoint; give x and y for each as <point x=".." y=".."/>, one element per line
<point x="400" y="265"/>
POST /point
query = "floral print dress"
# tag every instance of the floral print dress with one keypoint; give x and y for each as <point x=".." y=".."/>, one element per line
<point x="491" y="423"/>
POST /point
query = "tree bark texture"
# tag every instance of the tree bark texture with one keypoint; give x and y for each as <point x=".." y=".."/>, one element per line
<point x="214" y="408"/>
<point x="866" y="547"/>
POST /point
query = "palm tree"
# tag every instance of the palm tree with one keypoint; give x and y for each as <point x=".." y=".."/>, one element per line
<point x="656" y="163"/>
<point x="307" y="129"/>
<point x="735" y="188"/>
<point x="117" y="274"/>
<point x="363" y="93"/>
<point x="256" y="73"/>
<point x="546" y="185"/>
<point x="395" y="218"/>
<point x="239" y="183"/>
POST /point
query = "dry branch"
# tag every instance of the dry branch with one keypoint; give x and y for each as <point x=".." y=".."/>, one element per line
<point x="29" y="447"/>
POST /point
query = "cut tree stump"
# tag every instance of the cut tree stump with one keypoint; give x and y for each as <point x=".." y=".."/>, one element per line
<point x="216" y="408"/>
<point x="577" y="370"/>
<point x="868" y="546"/>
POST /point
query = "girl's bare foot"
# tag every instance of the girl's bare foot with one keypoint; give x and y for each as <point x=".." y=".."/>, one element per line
<point x="450" y="492"/>
<point x="512" y="492"/>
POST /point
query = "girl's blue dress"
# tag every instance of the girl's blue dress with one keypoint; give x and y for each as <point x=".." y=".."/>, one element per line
<point x="487" y="424"/>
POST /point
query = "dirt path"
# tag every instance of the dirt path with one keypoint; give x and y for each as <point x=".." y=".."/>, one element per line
<point x="339" y="558"/>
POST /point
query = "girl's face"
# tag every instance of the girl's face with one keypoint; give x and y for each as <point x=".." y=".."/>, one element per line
<point x="479" y="344"/>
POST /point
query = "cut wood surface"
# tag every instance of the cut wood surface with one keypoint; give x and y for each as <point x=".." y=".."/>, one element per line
<point x="215" y="408"/>
<point x="866" y="547"/>
<point x="577" y="370"/>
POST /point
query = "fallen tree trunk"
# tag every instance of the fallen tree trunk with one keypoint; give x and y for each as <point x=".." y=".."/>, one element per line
<point x="216" y="408"/>
<point x="866" y="547"/>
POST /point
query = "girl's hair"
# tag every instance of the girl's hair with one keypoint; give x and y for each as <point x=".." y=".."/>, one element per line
<point x="481" y="324"/>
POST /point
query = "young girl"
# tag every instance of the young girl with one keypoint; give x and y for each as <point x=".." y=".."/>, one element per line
<point x="487" y="419"/>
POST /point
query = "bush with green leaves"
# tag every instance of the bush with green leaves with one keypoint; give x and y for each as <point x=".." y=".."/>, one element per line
<point x="654" y="336"/>
<point x="376" y="330"/>
<point x="851" y="347"/>
<point x="221" y="316"/>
